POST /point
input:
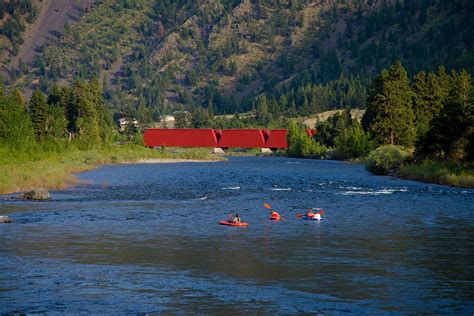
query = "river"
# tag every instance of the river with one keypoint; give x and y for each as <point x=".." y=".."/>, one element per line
<point x="144" y="238"/>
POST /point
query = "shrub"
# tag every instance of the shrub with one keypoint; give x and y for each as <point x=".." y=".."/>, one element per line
<point x="386" y="159"/>
<point x="442" y="172"/>
<point x="301" y="145"/>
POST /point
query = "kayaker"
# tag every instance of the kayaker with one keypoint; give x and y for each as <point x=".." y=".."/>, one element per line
<point x="236" y="219"/>
<point x="275" y="215"/>
<point x="310" y="213"/>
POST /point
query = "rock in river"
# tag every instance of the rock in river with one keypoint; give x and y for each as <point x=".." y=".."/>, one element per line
<point x="36" y="194"/>
<point x="5" y="219"/>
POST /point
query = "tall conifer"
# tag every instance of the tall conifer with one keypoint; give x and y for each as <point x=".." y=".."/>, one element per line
<point x="39" y="113"/>
<point x="393" y="119"/>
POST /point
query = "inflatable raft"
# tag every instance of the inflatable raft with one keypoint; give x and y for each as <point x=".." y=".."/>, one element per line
<point x="233" y="224"/>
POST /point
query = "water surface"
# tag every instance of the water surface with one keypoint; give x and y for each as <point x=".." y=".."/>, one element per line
<point x="144" y="238"/>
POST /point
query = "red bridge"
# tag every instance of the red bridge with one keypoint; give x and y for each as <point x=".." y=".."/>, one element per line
<point x="229" y="138"/>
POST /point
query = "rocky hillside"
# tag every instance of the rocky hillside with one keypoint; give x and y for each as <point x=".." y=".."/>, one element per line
<point x="171" y="55"/>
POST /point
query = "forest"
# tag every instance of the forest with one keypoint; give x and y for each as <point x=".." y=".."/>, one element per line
<point x="158" y="57"/>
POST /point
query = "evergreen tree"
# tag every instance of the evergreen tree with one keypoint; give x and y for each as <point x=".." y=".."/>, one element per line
<point x="103" y="116"/>
<point x="86" y="122"/>
<point x="200" y="118"/>
<point x="393" y="119"/>
<point x="451" y="130"/>
<point x="427" y="101"/>
<point x="54" y="97"/>
<point x="261" y="111"/>
<point x="39" y="113"/>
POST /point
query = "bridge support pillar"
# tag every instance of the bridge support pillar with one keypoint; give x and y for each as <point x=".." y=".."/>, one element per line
<point x="267" y="151"/>
<point x="218" y="150"/>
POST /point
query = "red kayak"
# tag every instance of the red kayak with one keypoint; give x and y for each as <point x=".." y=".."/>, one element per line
<point x="273" y="218"/>
<point x="233" y="224"/>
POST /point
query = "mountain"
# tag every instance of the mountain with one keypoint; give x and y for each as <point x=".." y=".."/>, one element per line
<point x="167" y="55"/>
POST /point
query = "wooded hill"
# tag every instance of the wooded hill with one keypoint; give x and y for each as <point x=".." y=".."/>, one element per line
<point x="304" y="56"/>
<point x="15" y="15"/>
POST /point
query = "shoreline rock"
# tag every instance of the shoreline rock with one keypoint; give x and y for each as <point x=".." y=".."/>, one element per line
<point x="40" y="194"/>
<point x="5" y="219"/>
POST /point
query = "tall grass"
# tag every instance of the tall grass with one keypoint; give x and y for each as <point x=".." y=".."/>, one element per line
<point x="441" y="172"/>
<point x="20" y="171"/>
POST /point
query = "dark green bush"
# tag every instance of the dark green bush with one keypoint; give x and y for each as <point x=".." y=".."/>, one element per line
<point x="386" y="159"/>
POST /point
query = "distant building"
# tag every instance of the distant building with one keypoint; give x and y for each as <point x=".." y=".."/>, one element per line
<point x="123" y="122"/>
<point x="168" y="118"/>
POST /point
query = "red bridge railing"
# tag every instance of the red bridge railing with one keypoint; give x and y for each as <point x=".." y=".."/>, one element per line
<point x="229" y="138"/>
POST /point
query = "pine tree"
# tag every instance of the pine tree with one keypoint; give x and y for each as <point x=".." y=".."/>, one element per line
<point x="261" y="110"/>
<point x="450" y="133"/>
<point x="54" y="96"/>
<point x="86" y="122"/>
<point x="341" y="137"/>
<point x="39" y="114"/>
<point x="393" y="121"/>
<point x="427" y="101"/>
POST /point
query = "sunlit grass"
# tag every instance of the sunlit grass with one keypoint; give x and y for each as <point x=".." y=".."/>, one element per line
<point x="20" y="171"/>
<point x="458" y="175"/>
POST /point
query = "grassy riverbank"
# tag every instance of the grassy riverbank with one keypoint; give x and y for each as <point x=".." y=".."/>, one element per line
<point x="456" y="175"/>
<point x="55" y="170"/>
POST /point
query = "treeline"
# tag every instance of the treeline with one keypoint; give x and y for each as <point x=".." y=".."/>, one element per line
<point x="72" y="116"/>
<point x="19" y="11"/>
<point x="432" y="113"/>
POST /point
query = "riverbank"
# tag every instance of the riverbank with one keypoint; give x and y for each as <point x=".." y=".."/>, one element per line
<point x="55" y="170"/>
<point x="455" y="175"/>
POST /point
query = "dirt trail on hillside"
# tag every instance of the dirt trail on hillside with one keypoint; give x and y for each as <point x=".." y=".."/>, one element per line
<point x="49" y="25"/>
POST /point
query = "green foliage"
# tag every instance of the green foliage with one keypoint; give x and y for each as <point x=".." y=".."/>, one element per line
<point x="78" y="112"/>
<point x="54" y="168"/>
<point x="301" y="145"/>
<point x="345" y="135"/>
<point x="451" y="131"/>
<point x="442" y="172"/>
<point x="16" y="129"/>
<point x="391" y="108"/>
<point x="39" y="113"/>
<point x="355" y="145"/>
<point x="197" y="55"/>
<point x="386" y="159"/>
<point x="19" y="13"/>
<point x="428" y="97"/>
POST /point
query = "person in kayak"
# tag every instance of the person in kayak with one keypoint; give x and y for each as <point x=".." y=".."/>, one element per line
<point x="310" y="213"/>
<point x="275" y="214"/>
<point x="236" y="219"/>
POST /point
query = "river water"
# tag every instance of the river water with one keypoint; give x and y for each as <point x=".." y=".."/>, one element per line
<point x="144" y="238"/>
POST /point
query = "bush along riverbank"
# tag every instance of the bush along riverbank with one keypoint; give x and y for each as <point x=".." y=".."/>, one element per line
<point x="441" y="172"/>
<point x="398" y="161"/>
<point x="21" y="171"/>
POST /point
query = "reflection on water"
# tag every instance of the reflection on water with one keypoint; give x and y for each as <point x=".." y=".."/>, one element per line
<point x="148" y="241"/>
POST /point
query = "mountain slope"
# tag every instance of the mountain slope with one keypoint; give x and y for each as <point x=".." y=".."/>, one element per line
<point x="167" y="55"/>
